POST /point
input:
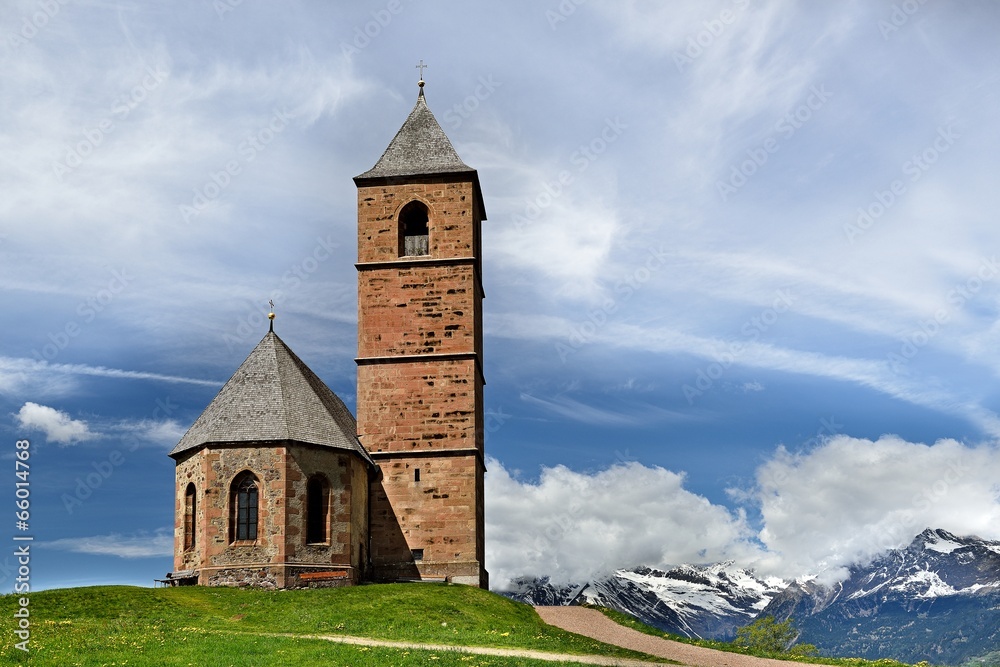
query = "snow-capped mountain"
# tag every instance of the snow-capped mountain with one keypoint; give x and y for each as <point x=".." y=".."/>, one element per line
<point x="689" y="600"/>
<point x="540" y="592"/>
<point x="936" y="600"/>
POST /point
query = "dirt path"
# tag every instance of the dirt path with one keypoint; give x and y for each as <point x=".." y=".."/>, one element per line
<point x="483" y="650"/>
<point x="592" y="623"/>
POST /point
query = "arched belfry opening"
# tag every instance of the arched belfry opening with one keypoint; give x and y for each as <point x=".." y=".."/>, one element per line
<point x="414" y="237"/>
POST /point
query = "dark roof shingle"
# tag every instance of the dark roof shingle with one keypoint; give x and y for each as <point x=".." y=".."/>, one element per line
<point x="419" y="148"/>
<point x="274" y="396"/>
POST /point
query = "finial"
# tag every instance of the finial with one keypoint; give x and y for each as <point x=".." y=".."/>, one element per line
<point x="421" y="66"/>
<point x="270" y="315"/>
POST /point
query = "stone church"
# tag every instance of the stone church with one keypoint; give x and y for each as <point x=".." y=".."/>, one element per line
<point x="279" y="486"/>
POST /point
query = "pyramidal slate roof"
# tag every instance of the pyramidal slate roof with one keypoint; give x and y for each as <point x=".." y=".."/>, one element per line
<point x="273" y="395"/>
<point x="420" y="147"/>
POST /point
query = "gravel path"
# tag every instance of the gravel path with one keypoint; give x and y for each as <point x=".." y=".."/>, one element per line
<point x="594" y="624"/>
<point x="483" y="650"/>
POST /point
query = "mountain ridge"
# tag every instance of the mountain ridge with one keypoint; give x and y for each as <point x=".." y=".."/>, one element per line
<point x="937" y="599"/>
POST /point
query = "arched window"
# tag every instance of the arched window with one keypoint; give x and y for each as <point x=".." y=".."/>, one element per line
<point x="243" y="503"/>
<point x="190" y="516"/>
<point x="414" y="239"/>
<point x="317" y="510"/>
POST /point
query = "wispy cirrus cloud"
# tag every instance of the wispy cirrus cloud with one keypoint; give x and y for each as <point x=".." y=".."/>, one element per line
<point x="136" y="545"/>
<point x="563" y="405"/>
<point x="18" y="372"/>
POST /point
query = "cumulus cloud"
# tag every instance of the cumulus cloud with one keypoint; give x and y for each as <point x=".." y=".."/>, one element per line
<point x="850" y="499"/>
<point x="139" y="545"/>
<point x="572" y="526"/>
<point x="821" y="510"/>
<point x="57" y="426"/>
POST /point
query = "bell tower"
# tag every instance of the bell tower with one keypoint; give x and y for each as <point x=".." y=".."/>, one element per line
<point x="420" y="355"/>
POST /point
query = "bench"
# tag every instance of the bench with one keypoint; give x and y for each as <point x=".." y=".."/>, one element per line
<point x="179" y="578"/>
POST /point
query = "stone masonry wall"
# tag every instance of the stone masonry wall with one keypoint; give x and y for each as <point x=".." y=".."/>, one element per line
<point x="417" y="408"/>
<point x="437" y="513"/>
<point x="267" y="464"/>
<point x="188" y="470"/>
<point x="451" y="207"/>
<point x="303" y="462"/>
<point x="283" y="472"/>
<point x="417" y="310"/>
<point x="359" y="519"/>
<point x="418" y="405"/>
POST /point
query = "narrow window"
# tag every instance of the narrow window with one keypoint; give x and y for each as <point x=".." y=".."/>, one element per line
<point x="414" y="239"/>
<point x="416" y="474"/>
<point x="244" y="507"/>
<point x="418" y="554"/>
<point x="317" y="509"/>
<point x="190" y="515"/>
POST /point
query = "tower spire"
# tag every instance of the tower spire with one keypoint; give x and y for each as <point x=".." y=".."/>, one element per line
<point x="421" y="66"/>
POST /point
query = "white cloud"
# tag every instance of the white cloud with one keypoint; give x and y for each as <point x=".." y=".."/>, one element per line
<point x="572" y="526"/>
<point x="139" y="545"/>
<point x="152" y="431"/>
<point x="748" y="351"/>
<point x="18" y="374"/>
<point x="562" y="405"/>
<point x="57" y="426"/>
<point x="566" y="238"/>
<point x="840" y="503"/>
<point x="850" y="499"/>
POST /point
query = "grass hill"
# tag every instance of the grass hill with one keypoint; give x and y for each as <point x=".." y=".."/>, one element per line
<point x="222" y="627"/>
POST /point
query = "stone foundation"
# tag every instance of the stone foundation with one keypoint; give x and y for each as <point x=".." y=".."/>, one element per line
<point x="243" y="577"/>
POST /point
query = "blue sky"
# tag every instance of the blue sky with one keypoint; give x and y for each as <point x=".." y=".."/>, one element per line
<point x="741" y="260"/>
